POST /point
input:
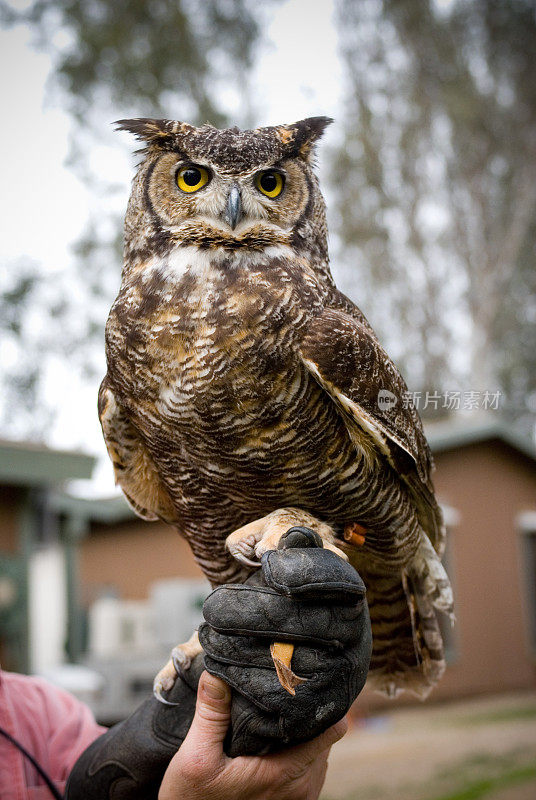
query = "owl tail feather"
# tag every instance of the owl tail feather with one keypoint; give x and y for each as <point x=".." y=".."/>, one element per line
<point x="407" y="643"/>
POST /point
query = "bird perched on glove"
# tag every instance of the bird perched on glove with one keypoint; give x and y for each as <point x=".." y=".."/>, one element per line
<point x="326" y="617"/>
<point x="241" y="396"/>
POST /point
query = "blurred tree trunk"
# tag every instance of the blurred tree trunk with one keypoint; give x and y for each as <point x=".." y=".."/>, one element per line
<point x="439" y="165"/>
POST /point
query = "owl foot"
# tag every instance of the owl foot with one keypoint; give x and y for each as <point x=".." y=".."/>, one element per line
<point x="243" y="548"/>
<point x="355" y="534"/>
<point x="247" y="544"/>
<point x="181" y="659"/>
<point x="428" y="573"/>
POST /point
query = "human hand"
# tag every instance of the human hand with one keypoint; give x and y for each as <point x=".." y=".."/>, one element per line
<point x="306" y="596"/>
<point x="310" y="597"/>
<point x="200" y="770"/>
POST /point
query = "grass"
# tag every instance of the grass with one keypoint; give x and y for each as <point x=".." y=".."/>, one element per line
<point x="499" y="715"/>
<point x="495" y="756"/>
<point x="471" y="779"/>
<point x="483" y="787"/>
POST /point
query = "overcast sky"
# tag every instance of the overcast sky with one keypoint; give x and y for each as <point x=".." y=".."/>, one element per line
<point x="43" y="206"/>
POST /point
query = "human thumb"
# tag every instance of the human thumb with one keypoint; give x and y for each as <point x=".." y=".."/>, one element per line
<point x="212" y="712"/>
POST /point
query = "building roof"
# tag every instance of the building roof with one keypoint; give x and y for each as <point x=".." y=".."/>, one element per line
<point x="443" y="436"/>
<point x="28" y="464"/>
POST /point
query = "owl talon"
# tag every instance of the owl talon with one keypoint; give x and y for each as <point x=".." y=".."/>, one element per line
<point x="157" y="692"/>
<point x="239" y="556"/>
<point x="242" y="549"/>
<point x="163" y="682"/>
<point x="281" y="653"/>
<point x="181" y="660"/>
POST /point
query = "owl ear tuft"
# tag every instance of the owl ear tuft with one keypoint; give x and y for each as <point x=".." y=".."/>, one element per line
<point x="301" y="137"/>
<point x="153" y="131"/>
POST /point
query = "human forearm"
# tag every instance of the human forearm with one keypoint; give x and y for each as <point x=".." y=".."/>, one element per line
<point x="130" y="759"/>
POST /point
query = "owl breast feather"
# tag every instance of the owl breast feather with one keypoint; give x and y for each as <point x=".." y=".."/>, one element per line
<point x="209" y="358"/>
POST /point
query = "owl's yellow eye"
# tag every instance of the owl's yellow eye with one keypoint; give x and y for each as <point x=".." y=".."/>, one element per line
<point x="191" y="178"/>
<point x="270" y="183"/>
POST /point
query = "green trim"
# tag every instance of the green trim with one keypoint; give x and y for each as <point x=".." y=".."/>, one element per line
<point x="73" y="530"/>
<point x="24" y="464"/>
<point x="27" y="534"/>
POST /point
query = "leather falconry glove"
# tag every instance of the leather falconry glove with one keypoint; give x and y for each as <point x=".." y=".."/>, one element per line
<point x="302" y="594"/>
<point x="310" y="597"/>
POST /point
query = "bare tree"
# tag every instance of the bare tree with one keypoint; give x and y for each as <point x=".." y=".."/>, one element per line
<point x="441" y="133"/>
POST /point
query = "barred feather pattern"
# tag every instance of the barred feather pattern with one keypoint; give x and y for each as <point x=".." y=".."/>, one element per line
<point x="241" y="381"/>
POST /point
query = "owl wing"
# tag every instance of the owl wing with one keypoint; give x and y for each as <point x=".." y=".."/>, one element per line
<point x="341" y="351"/>
<point x="135" y="471"/>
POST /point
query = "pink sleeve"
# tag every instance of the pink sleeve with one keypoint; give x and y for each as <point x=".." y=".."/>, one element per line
<point x="72" y="728"/>
<point x="52" y="724"/>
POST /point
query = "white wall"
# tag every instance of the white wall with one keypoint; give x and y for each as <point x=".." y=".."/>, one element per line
<point x="47" y="608"/>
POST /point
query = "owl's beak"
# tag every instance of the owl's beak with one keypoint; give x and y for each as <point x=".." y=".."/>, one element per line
<point x="233" y="209"/>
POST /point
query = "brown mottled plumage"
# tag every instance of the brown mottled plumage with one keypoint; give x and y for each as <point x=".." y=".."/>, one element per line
<point x="241" y="381"/>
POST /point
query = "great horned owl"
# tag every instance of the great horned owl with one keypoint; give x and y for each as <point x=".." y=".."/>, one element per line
<point x="242" y="388"/>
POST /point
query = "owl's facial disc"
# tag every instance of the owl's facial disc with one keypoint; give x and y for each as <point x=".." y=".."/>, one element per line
<point x="200" y="202"/>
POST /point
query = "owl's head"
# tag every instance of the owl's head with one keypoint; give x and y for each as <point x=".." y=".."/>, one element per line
<point x="230" y="189"/>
